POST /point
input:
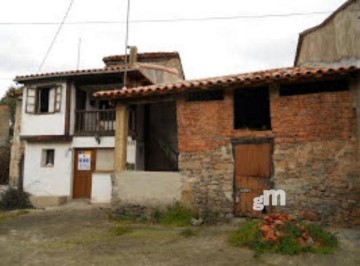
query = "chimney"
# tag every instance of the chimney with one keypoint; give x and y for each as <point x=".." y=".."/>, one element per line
<point x="133" y="55"/>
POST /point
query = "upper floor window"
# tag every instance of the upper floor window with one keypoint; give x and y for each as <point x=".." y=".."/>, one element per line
<point x="44" y="99"/>
<point x="252" y="109"/>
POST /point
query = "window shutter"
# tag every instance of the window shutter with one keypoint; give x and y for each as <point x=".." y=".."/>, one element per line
<point x="30" y="100"/>
<point x="58" y="96"/>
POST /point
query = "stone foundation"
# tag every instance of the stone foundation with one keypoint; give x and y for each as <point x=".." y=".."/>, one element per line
<point x="321" y="180"/>
<point x="208" y="180"/>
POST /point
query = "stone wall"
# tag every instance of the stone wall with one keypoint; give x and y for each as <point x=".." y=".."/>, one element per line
<point x="321" y="180"/>
<point x="208" y="180"/>
<point x="315" y="156"/>
<point x="17" y="149"/>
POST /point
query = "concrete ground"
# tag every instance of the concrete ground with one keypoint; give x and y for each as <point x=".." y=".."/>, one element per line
<point x="84" y="236"/>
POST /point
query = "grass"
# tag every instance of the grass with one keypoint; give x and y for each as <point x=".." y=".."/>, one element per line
<point x="120" y="230"/>
<point x="249" y="235"/>
<point x="176" y="215"/>
<point x="188" y="232"/>
<point x="6" y="215"/>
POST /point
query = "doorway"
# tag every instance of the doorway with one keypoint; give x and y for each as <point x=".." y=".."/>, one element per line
<point x="84" y="166"/>
<point x="253" y="169"/>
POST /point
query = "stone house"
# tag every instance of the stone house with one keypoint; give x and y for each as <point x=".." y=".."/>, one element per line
<point x="295" y="129"/>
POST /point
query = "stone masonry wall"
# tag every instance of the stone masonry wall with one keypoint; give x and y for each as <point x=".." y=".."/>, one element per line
<point x="17" y="149"/>
<point x="315" y="154"/>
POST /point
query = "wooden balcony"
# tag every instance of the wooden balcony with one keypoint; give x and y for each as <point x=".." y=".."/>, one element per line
<point x="97" y="122"/>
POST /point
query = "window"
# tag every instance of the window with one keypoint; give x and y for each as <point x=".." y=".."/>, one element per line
<point x="252" y="109"/>
<point x="313" y="87"/>
<point x="42" y="100"/>
<point x="211" y="95"/>
<point x="48" y="158"/>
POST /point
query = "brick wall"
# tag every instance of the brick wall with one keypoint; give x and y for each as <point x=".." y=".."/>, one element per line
<point x="315" y="153"/>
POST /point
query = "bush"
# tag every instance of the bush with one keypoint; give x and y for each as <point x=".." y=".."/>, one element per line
<point x="176" y="215"/>
<point x="15" y="199"/>
<point x="4" y="164"/>
<point x="280" y="233"/>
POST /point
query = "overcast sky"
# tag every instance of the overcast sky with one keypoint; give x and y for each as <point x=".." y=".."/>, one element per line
<point x="207" y="48"/>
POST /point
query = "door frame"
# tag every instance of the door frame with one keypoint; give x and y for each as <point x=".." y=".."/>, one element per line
<point x="75" y="152"/>
<point x="244" y="141"/>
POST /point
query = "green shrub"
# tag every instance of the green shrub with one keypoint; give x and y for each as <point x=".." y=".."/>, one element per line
<point x="249" y="235"/>
<point x="176" y="215"/>
<point x="328" y="241"/>
<point x="15" y="199"/>
<point x="246" y="235"/>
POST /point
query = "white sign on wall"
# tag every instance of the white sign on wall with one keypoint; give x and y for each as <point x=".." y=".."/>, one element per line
<point x="84" y="161"/>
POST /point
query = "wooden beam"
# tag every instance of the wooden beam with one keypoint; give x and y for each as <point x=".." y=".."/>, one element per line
<point x="121" y="134"/>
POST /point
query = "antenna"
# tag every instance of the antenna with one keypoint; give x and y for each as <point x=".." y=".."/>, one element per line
<point x="126" y="42"/>
<point x="79" y="54"/>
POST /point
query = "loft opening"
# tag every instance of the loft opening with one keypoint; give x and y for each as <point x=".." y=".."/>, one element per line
<point x="252" y="109"/>
<point x="152" y="137"/>
<point x="204" y="96"/>
<point x="313" y="87"/>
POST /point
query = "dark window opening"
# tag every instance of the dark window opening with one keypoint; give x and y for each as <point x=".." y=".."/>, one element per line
<point x="211" y="95"/>
<point x="48" y="158"/>
<point x="313" y="87"/>
<point x="44" y="98"/>
<point x="252" y="109"/>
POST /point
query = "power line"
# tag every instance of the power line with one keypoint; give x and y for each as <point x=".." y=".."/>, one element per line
<point x="55" y="36"/>
<point x="139" y="21"/>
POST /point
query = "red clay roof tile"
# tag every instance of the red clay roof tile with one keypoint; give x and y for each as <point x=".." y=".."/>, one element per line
<point x="245" y="79"/>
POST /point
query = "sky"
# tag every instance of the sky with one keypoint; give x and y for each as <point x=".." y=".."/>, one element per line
<point x="207" y="48"/>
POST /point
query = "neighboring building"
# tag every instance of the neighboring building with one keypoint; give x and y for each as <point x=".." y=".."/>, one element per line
<point x="295" y="129"/>
<point x="334" y="42"/>
<point x="69" y="136"/>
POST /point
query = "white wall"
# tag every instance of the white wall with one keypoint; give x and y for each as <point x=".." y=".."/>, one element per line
<point x="151" y="189"/>
<point x="90" y="142"/>
<point x="48" y="181"/>
<point x="101" y="188"/>
<point x="44" y="124"/>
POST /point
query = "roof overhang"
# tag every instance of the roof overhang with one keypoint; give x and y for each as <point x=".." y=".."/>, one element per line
<point x="245" y="80"/>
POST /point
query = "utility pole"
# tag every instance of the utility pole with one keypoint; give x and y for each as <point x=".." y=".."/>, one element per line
<point x="79" y="54"/>
<point x="126" y="42"/>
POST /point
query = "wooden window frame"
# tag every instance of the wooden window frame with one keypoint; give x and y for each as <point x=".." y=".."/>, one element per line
<point x="57" y="99"/>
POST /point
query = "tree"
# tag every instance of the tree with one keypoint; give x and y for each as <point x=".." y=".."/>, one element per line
<point x="10" y="99"/>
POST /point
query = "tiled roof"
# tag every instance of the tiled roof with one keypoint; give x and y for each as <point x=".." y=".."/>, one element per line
<point x="245" y="80"/>
<point x="143" y="56"/>
<point x="106" y="70"/>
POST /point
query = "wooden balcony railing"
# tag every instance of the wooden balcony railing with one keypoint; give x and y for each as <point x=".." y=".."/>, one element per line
<point x="100" y="122"/>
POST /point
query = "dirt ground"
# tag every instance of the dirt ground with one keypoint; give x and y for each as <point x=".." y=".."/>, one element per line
<point x="85" y="237"/>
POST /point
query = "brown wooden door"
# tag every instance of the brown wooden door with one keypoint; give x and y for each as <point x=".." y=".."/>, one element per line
<point x="252" y="175"/>
<point x="84" y="166"/>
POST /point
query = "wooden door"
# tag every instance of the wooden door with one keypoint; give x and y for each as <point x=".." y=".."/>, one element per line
<point x="252" y="175"/>
<point x="84" y="166"/>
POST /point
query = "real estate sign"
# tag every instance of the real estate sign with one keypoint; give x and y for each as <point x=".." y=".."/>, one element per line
<point x="84" y="161"/>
